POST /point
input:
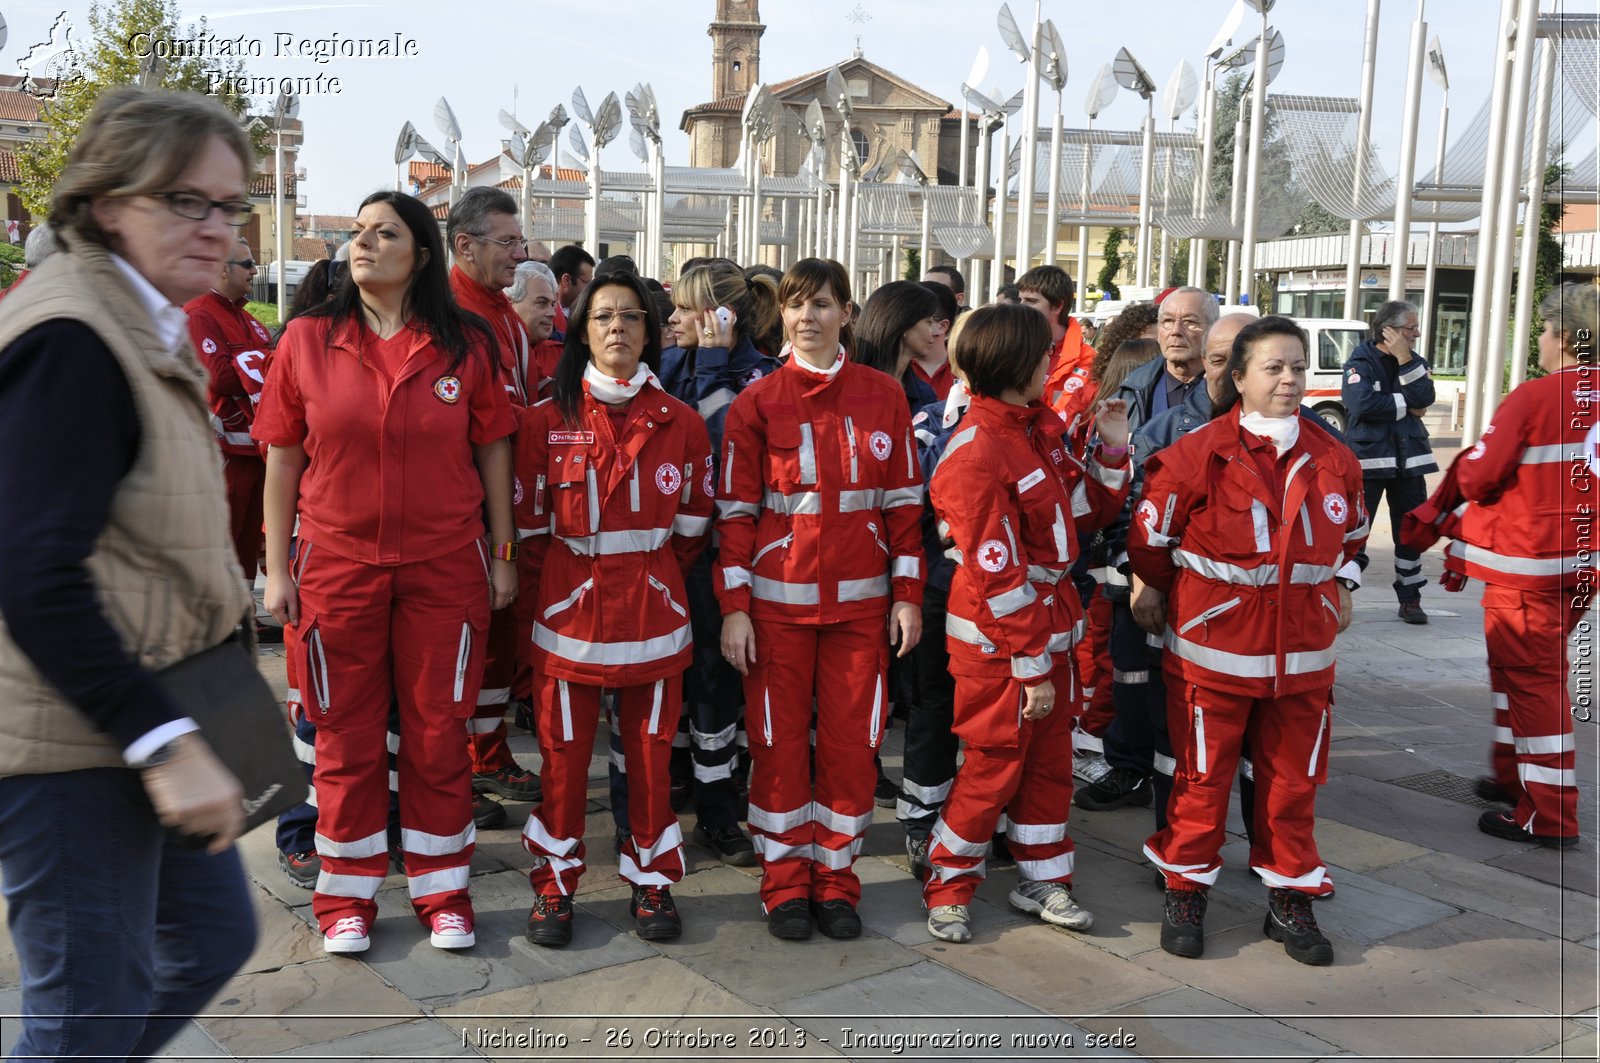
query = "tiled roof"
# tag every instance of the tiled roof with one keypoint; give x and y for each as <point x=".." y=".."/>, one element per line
<point x="731" y="104"/>
<point x="261" y="187"/>
<point x="17" y="106"/>
<point x="8" y="167"/>
<point x="425" y="173"/>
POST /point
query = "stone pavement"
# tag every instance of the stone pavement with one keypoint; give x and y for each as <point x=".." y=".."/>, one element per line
<point x="1449" y="944"/>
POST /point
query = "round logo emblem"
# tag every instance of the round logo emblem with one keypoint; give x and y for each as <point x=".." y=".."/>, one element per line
<point x="751" y="377"/>
<point x="880" y="445"/>
<point x="992" y="555"/>
<point x="1355" y="377"/>
<point x="1476" y="452"/>
<point x="448" y="388"/>
<point x="710" y="483"/>
<point x="669" y="478"/>
<point x="209" y="346"/>
<point x="1074" y="384"/>
<point x="261" y="332"/>
<point x="1336" y="508"/>
<point x="1147" y="513"/>
<point x="516" y="490"/>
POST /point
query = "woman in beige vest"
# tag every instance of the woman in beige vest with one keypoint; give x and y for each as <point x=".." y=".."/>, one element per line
<point x="127" y="903"/>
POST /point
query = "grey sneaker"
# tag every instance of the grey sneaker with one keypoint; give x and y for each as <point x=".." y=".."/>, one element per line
<point x="1090" y="768"/>
<point x="917" y="857"/>
<point x="950" y="922"/>
<point x="1051" y="902"/>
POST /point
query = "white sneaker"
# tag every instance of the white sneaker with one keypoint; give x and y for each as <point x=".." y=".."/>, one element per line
<point x="1051" y="902"/>
<point x="1090" y="768"/>
<point x="348" y="935"/>
<point x="452" y="930"/>
<point x="950" y="922"/>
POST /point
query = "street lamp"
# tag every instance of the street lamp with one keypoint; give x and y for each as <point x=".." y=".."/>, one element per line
<point x="445" y="119"/>
<point x="1101" y="93"/>
<point x="284" y="110"/>
<point x="1133" y="77"/>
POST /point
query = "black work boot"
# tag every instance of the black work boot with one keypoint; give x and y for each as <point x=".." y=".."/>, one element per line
<point x="1183" y="923"/>
<point x="1291" y="921"/>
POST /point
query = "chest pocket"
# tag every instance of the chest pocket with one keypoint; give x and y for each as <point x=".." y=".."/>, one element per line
<point x="793" y="448"/>
<point x="1237" y="525"/>
<point x="1046" y="507"/>
<point x="574" y="491"/>
<point x="1326" y="517"/>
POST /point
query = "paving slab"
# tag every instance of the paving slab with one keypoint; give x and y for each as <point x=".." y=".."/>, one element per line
<point x="425" y="1039"/>
<point x="616" y="1009"/>
<point x="283" y="938"/>
<point x="1499" y="892"/>
<point x="1568" y="869"/>
<point x="1361" y="850"/>
<point x="304" y="1004"/>
<point x="10" y="966"/>
<point x="1190" y="1023"/>
<point x="1421" y="819"/>
<point x="1372" y="753"/>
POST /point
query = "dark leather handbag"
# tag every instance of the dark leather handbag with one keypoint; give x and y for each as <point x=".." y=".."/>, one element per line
<point x="243" y="722"/>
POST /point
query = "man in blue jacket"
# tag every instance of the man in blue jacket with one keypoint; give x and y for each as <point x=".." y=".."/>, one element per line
<point x="1387" y="389"/>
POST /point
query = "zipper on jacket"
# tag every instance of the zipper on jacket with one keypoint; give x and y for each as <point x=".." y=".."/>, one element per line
<point x="575" y="598"/>
<point x="1334" y="609"/>
<point x="688" y="482"/>
<point x="463" y="655"/>
<point x="538" y="495"/>
<point x="850" y="434"/>
<point x="633" y="488"/>
<point x="318" y="659"/>
<point x="1210" y="614"/>
<point x="1005" y="522"/>
<point x="655" y="705"/>
<point x="766" y="722"/>
<point x="727" y="474"/>
<point x="877" y="708"/>
<point x="674" y="606"/>
<point x="594" y="501"/>
<point x="872" y="527"/>
<point x="773" y="545"/>
<point x="1305" y="524"/>
<point x="303" y="552"/>
<point x="566" y="712"/>
<point x="1200" y="739"/>
<point x="1311" y="768"/>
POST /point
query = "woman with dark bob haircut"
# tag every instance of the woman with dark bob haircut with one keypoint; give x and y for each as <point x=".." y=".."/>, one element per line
<point x="900" y="325"/>
<point x="1009" y="494"/>
<point x="387" y="430"/>
<point x="820" y="496"/>
<point x="1247" y="527"/>
<point x="616" y="504"/>
<point x="117" y="563"/>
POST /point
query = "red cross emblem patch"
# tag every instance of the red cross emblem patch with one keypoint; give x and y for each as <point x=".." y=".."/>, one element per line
<point x="992" y="555"/>
<point x="448" y="388"/>
<point x="1336" y="508"/>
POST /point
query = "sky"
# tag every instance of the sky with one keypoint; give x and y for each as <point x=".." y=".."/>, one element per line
<point x="486" y="55"/>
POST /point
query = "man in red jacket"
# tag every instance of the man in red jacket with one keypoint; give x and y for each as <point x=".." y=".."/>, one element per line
<point x="487" y="244"/>
<point x="233" y="346"/>
<point x="1049" y="290"/>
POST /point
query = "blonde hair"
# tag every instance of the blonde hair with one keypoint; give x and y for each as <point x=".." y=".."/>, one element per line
<point x="753" y="300"/>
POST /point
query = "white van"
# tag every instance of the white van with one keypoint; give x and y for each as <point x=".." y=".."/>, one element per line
<point x="1332" y="340"/>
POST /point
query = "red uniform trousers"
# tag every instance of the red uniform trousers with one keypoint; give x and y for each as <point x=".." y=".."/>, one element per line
<point x="245" y="475"/>
<point x="371" y="635"/>
<point x="1533" y="755"/>
<point x="568" y="716"/>
<point x="808" y="834"/>
<point x="1094" y="704"/>
<point x="486" y="731"/>
<point x="1022" y="767"/>
<point x="1288" y="737"/>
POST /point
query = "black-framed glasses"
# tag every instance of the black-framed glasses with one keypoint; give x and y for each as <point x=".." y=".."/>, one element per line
<point x="630" y="318"/>
<point x="195" y="207"/>
<point x="507" y="244"/>
<point x="243" y="263"/>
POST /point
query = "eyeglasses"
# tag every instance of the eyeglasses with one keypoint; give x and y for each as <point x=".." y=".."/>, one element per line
<point x="507" y="244"/>
<point x="1188" y="324"/>
<point x="195" y="207"/>
<point x="630" y="318"/>
<point x="246" y="263"/>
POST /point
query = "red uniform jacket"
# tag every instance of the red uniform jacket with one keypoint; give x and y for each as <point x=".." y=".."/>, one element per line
<point x="542" y="368"/>
<point x="509" y="333"/>
<point x="1215" y="538"/>
<point x="821" y="498"/>
<point x="1067" y="389"/>
<point x="611" y="524"/>
<point x="392" y="477"/>
<point x="1013" y="500"/>
<point x="233" y="346"/>
<point x="1531" y="521"/>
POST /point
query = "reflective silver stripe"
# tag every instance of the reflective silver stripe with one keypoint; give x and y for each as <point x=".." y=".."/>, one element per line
<point x="1259" y="576"/>
<point x="1322" y="728"/>
<point x="1199" y="740"/>
<point x="463" y="655"/>
<point x="1005" y="522"/>
<point x="1377" y="463"/>
<point x="1537" y="773"/>
<point x="432" y="882"/>
<point x="776" y="544"/>
<point x="570" y="600"/>
<point x="494" y="695"/>
<point x="1400" y="410"/>
<point x="1112" y="478"/>
<point x="1210" y="614"/>
<point x="1415" y="373"/>
<point x="1130" y="678"/>
<point x="1550" y="455"/>
<point x="424" y="844"/>
<point x="733" y="578"/>
<point x="808" y="455"/>
<point x="1248" y="666"/>
<point x="710" y="742"/>
<point x="906" y="568"/>
<point x="566" y="713"/>
<point x="770" y="850"/>
<point x="483" y="725"/>
<point x="655" y="712"/>
<point x="899" y="496"/>
<point x="714" y="402"/>
<point x="911" y="459"/>
<point x="238" y="439"/>
<point x="1305" y="525"/>
<point x="1058" y="535"/>
<point x="1519" y="566"/>
<point x="635" y="541"/>
<point x="964" y="630"/>
<point x="928" y="796"/>
<point x="957" y="441"/>
<point x="1061" y="641"/>
<point x="684" y="524"/>
<point x="779" y="822"/>
<point x="1044" y="574"/>
<point x="1036" y="833"/>
<point x="955" y="844"/>
<point x="1056" y="867"/>
<point x="671" y="838"/>
<point x="667" y="595"/>
<point x="1259" y="525"/>
<point x="1546" y="745"/>
<point x="1163" y="764"/>
<point x="633" y="489"/>
<point x="1421" y="459"/>
<point x="1358" y="533"/>
<point x="1080" y="500"/>
<point x="858" y="590"/>
<point x="808" y="502"/>
<point x="727" y="474"/>
<point x="529" y="533"/>
<point x="838" y="822"/>
<point x="1030" y="667"/>
<point x="594" y="501"/>
<point x="1012" y="601"/>
<point x="836" y="859"/>
<point x="727" y="509"/>
<point x="863" y="501"/>
<point x="364" y="887"/>
<point x="850" y="438"/>
<point x="771" y="590"/>
<point x="1192" y="872"/>
<point x="1503" y="736"/>
<point x="356" y="848"/>
<point x="611" y="654"/>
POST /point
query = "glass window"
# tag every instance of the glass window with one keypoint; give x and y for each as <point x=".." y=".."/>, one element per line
<point x="1334" y="346"/>
<point x="859" y="139"/>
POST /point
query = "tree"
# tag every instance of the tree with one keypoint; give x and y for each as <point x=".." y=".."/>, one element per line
<point x="1107" y="280"/>
<point x="913" y="270"/>
<point x="1547" y="261"/>
<point x="110" y="60"/>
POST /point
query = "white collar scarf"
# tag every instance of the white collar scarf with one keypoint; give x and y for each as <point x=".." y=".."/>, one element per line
<point x="956" y="403"/>
<point x="612" y="391"/>
<point x="1283" y="431"/>
<point x="827" y="374"/>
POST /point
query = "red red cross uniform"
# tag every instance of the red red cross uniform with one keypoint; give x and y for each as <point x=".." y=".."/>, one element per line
<point x="611" y="519"/>
<point x="486" y="730"/>
<point x="1529" y="535"/>
<point x="392" y="573"/>
<point x="1013" y="499"/>
<point x="820" y="508"/>
<point x="1248" y="567"/>
<point x="234" y="348"/>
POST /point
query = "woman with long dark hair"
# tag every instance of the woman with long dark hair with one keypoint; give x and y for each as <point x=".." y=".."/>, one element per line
<point x="616" y="504"/>
<point x="387" y="425"/>
<point x="900" y="325"/>
<point x="819" y="499"/>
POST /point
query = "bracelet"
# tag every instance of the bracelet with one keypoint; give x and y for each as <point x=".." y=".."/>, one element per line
<point x="504" y="551"/>
<point x="1112" y="452"/>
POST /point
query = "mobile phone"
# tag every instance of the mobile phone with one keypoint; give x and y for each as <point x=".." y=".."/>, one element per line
<point x="724" y="316"/>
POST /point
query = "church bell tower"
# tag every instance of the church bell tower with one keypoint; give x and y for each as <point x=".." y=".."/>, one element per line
<point x="735" y="47"/>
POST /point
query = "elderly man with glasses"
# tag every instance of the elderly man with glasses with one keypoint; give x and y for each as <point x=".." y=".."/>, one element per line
<point x="233" y="346"/>
<point x="1387" y="389"/>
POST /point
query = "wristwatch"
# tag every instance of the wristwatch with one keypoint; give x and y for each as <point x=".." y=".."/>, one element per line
<point x="1347" y="583"/>
<point x="161" y="755"/>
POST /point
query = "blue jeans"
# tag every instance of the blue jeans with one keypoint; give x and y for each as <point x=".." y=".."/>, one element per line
<point x="123" y="936"/>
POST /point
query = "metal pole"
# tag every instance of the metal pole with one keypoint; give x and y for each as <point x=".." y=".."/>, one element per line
<point x="1405" y="181"/>
<point x="1530" y="220"/>
<point x="927" y="233"/>
<point x="1166" y="194"/>
<point x="755" y="209"/>
<point x="1001" y="202"/>
<point x="964" y="265"/>
<point x="591" y="217"/>
<point x="894" y="263"/>
<point x="1147" y="172"/>
<point x="784" y="246"/>
<point x="1083" y="209"/>
<point x="1430" y="274"/>
<point x="1029" y="160"/>
<point x="1369" y="64"/>
<point x="280" y="245"/>
<point x="982" y="188"/>
<point x="1252" y="188"/>
<point x="854" y="232"/>
<point x="1230" y="280"/>
<point x="1052" y="223"/>
<point x="526" y="201"/>
<point x="1198" y="248"/>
